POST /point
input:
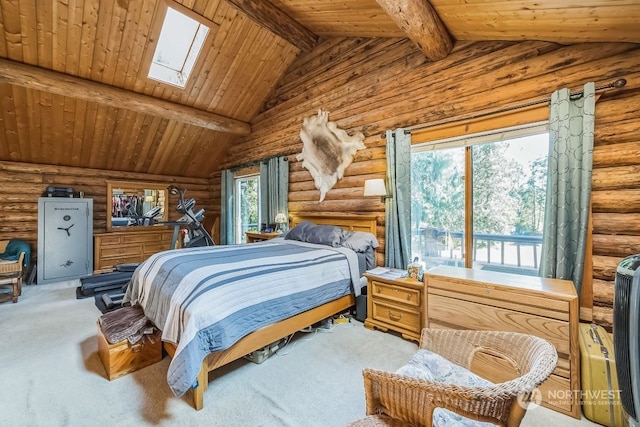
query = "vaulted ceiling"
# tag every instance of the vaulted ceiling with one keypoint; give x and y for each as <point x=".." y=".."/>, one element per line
<point x="74" y="91"/>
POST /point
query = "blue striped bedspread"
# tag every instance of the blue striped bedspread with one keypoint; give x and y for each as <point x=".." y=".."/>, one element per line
<point x="206" y="299"/>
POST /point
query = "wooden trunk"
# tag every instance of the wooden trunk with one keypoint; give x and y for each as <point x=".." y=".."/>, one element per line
<point x="122" y="358"/>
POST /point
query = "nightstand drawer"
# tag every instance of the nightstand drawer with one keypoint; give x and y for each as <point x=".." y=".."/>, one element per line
<point x="402" y="317"/>
<point x="396" y="293"/>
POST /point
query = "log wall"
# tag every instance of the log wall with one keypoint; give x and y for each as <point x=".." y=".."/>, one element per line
<point x="22" y="183"/>
<point x="370" y="85"/>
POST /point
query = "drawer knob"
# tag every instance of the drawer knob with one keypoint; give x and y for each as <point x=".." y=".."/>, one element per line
<point x="394" y="317"/>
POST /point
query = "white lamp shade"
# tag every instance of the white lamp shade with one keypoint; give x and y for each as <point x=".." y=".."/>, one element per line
<point x="280" y="218"/>
<point x="374" y="187"/>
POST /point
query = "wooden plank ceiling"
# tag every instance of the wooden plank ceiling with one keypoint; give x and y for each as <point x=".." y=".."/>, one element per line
<point x="83" y="117"/>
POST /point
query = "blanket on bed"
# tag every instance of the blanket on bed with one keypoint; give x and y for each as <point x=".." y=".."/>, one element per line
<point x="206" y="299"/>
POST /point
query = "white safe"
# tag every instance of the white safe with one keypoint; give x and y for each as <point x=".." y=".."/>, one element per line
<point x="65" y="238"/>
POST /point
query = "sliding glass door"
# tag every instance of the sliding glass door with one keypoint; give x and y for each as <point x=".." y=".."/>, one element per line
<point x="492" y="186"/>
<point x="509" y="191"/>
<point x="437" y="209"/>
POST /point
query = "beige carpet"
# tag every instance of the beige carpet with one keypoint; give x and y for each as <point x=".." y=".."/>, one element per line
<point x="51" y="375"/>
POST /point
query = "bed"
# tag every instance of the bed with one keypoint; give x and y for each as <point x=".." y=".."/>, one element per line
<point x="192" y="332"/>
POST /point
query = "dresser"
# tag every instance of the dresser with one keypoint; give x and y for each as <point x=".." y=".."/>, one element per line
<point x="395" y="304"/>
<point x="460" y="298"/>
<point x="124" y="247"/>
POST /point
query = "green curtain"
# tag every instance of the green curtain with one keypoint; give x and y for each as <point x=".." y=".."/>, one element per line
<point x="398" y="206"/>
<point x="274" y="188"/>
<point x="226" y="208"/>
<point x="571" y="124"/>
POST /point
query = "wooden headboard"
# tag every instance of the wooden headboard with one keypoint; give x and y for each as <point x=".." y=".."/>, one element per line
<point x="353" y="222"/>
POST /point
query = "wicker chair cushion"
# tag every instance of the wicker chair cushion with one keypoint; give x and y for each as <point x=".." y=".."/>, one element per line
<point x="430" y="366"/>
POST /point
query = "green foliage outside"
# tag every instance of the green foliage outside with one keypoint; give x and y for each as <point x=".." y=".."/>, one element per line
<point x="249" y="204"/>
<point x="507" y="199"/>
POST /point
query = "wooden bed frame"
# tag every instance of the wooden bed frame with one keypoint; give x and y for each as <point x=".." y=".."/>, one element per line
<point x="276" y="331"/>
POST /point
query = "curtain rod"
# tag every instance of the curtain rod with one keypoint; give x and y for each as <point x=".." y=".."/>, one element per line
<point x="257" y="162"/>
<point x="619" y="83"/>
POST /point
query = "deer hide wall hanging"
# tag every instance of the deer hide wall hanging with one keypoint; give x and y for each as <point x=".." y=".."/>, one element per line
<point x="326" y="150"/>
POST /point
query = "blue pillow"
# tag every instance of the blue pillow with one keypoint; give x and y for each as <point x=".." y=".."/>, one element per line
<point x="360" y="241"/>
<point x="329" y="235"/>
<point x="299" y="231"/>
<point x="309" y="232"/>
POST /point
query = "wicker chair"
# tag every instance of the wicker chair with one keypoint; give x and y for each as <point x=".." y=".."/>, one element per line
<point x="398" y="400"/>
<point x="12" y="272"/>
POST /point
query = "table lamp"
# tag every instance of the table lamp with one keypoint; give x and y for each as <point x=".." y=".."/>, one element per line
<point x="375" y="187"/>
<point x="280" y="220"/>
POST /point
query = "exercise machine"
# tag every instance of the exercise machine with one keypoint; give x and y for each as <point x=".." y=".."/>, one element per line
<point x="100" y="283"/>
<point x="196" y="235"/>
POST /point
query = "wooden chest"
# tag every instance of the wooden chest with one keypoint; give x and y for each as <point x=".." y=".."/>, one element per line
<point x="121" y="358"/>
<point x="461" y="298"/>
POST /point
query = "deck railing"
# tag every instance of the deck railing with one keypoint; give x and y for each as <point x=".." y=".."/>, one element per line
<point x="495" y="251"/>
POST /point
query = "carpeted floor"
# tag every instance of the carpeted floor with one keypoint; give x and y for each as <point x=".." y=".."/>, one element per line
<point x="51" y="375"/>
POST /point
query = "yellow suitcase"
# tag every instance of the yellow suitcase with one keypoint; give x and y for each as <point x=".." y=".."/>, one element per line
<point x="600" y="391"/>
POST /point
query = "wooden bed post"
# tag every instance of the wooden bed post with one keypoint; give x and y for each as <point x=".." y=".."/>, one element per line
<point x="203" y="382"/>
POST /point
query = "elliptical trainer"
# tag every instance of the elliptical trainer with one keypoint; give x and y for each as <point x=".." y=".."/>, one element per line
<point x="196" y="235"/>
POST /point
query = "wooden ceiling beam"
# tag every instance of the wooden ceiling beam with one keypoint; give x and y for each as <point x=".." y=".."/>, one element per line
<point x="267" y="15"/>
<point x="420" y="22"/>
<point x="62" y="84"/>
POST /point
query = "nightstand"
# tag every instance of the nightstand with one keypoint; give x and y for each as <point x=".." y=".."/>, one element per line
<point x="396" y="304"/>
<point x="253" y="237"/>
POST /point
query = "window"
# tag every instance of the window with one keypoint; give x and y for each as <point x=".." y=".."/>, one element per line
<point x="179" y="44"/>
<point x="246" y="206"/>
<point x="491" y="185"/>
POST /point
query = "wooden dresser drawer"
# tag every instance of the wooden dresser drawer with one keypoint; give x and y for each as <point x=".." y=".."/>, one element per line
<point x="494" y="296"/>
<point x="152" y="248"/>
<point x="114" y="239"/>
<point x="110" y="262"/>
<point x="557" y="394"/>
<point x="402" y="317"/>
<point x="470" y="315"/>
<point x="396" y="293"/>
<point x="106" y="264"/>
<point x="144" y="237"/>
<point x="120" y="250"/>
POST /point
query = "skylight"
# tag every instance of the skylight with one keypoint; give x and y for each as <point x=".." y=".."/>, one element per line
<point x="179" y="45"/>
